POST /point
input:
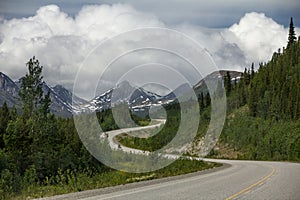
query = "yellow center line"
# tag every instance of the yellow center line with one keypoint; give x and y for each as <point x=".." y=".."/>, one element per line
<point x="246" y="190"/>
<point x="261" y="184"/>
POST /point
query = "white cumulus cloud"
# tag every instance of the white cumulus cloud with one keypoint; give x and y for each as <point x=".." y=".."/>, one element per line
<point x="259" y="36"/>
<point x="62" y="42"/>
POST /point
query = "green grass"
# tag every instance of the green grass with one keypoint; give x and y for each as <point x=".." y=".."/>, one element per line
<point x="72" y="181"/>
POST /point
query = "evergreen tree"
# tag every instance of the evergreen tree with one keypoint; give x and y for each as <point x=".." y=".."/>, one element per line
<point x="207" y="100"/>
<point x="201" y="101"/>
<point x="13" y="113"/>
<point x="45" y="105"/>
<point x="228" y="85"/>
<point x="25" y="136"/>
<point x="292" y="35"/>
<point x="31" y="89"/>
<point x="252" y="71"/>
<point x="4" y="119"/>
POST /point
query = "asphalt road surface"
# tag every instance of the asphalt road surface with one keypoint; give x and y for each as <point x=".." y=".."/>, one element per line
<point x="242" y="180"/>
<point x="238" y="180"/>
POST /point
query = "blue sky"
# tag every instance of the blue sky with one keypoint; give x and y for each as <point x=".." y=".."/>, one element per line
<point x="214" y="13"/>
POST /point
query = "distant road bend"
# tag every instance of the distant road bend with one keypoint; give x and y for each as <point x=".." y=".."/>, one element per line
<point x="242" y="180"/>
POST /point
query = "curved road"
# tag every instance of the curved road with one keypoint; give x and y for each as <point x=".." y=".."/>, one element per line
<point x="112" y="134"/>
<point x="241" y="180"/>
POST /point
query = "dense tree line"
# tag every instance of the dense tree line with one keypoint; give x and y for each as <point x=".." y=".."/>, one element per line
<point x="266" y="107"/>
<point x="35" y="145"/>
<point x="274" y="90"/>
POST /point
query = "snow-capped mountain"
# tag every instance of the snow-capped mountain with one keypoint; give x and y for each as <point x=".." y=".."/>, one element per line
<point x="137" y="99"/>
<point x="61" y="98"/>
<point x="201" y="85"/>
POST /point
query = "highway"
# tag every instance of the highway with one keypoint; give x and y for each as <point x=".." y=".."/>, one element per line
<point x="237" y="179"/>
<point x="242" y="180"/>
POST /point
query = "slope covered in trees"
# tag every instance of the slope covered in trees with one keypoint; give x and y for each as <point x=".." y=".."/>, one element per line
<point x="264" y="108"/>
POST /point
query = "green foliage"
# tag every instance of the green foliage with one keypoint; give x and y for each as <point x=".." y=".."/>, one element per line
<point x="274" y="92"/>
<point x="31" y="89"/>
<point x="292" y="35"/>
<point x="260" y="139"/>
<point x="35" y="144"/>
<point x="73" y="180"/>
<point x="4" y="119"/>
<point x="160" y="139"/>
<point x="227" y="83"/>
<point x="269" y="129"/>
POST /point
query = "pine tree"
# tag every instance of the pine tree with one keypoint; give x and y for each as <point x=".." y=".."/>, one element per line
<point x="4" y="119"/>
<point x="228" y="84"/>
<point x="201" y="100"/>
<point x="252" y="71"/>
<point x="31" y="89"/>
<point x="292" y="35"/>
<point x="207" y="100"/>
<point x="33" y="131"/>
<point x="45" y="105"/>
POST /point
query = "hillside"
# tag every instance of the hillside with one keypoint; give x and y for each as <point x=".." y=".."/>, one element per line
<point x="264" y="111"/>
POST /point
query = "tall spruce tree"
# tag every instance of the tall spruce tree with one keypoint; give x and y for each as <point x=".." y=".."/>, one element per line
<point x="33" y="131"/>
<point x="227" y="83"/>
<point x="31" y="89"/>
<point x="4" y="119"/>
<point x="292" y="35"/>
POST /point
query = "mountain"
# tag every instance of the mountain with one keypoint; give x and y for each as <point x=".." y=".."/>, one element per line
<point x="61" y="98"/>
<point x="8" y="91"/>
<point x="201" y="85"/>
<point x="138" y="100"/>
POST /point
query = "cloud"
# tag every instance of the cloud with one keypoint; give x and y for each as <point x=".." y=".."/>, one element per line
<point x="259" y="36"/>
<point x="253" y="39"/>
<point x="62" y="42"/>
<point x="221" y="43"/>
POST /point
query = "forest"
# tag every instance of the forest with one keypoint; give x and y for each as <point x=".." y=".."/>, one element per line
<point x="264" y="108"/>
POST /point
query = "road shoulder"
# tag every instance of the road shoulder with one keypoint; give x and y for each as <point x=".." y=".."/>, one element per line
<point x="107" y="190"/>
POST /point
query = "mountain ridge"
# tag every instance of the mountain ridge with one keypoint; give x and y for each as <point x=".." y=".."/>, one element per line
<point x="61" y="98"/>
<point x="139" y="100"/>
